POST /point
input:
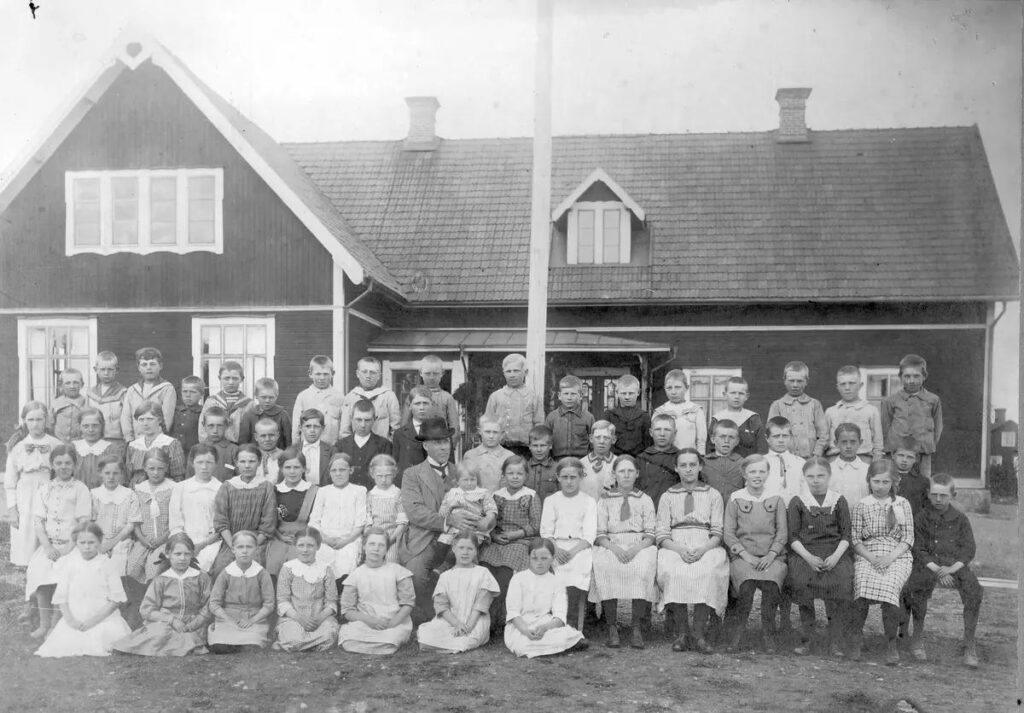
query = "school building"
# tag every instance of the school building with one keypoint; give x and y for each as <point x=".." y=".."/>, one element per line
<point x="151" y="212"/>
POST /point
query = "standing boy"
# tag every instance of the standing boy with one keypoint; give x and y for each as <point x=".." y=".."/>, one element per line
<point x="851" y="408"/>
<point x="320" y="395"/>
<point x="632" y="423"/>
<point x="722" y="469"/>
<point x="388" y="412"/>
<point x="265" y="406"/>
<point x="943" y="550"/>
<point x="362" y="444"/>
<point x="598" y="478"/>
<point x="913" y="411"/>
<point x="785" y="470"/>
<point x="569" y="423"/>
<point x="488" y="456"/>
<point x="431" y="372"/>
<point x="108" y="397"/>
<point x="185" y="426"/>
<point x="515" y="406"/>
<point x="215" y="425"/>
<point x="690" y="422"/>
<point x="749" y="423"/>
<point x="316" y="452"/>
<point x="230" y="398"/>
<point x="810" y="427"/>
<point x="149" y="387"/>
<point x="656" y="466"/>
<point x="267" y="435"/>
<point x="540" y="466"/>
<point x="66" y="409"/>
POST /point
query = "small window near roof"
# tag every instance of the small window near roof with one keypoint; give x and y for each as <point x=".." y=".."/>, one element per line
<point x="599" y="234"/>
<point x="174" y="210"/>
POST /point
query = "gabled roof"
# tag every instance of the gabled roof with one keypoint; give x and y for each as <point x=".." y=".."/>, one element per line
<point x="598" y="176"/>
<point x="852" y="215"/>
<point x="267" y="157"/>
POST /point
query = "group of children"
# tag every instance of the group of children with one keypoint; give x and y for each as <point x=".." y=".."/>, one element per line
<point x="270" y="515"/>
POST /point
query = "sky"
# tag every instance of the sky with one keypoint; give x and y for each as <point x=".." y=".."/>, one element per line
<point x="339" y="69"/>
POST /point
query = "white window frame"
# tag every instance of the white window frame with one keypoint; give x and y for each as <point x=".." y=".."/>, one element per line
<point x="144" y="247"/>
<point x="1008" y="439"/>
<point x="199" y="322"/>
<point x="626" y="238"/>
<point x="711" y="371"/>
<point x="871" y="371"/>
<point x="24" y="325"/>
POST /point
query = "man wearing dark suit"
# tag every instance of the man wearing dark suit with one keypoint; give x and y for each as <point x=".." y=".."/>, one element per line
<point x="423" y="489"/>
<point x="363" y="444"/>
<point x="316" y="452"/>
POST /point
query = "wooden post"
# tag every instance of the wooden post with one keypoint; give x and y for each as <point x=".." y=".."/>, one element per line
<point x="540" y="213"/>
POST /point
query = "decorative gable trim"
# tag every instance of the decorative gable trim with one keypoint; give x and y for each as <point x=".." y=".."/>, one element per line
<point x="129" y="52"/>
<point x="599" y="175"/>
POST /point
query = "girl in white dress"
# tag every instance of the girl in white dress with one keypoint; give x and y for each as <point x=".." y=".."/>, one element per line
<point x="462" y="600"/>
<point x="89" y="593"/>
<point x="191" y="508"/>
<point x="536" y="608"/>
<point x="339" y="513"/>
<point x="377" y="601"/>
<point x="569" y="519"/>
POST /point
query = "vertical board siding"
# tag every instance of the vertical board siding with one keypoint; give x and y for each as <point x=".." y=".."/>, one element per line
<point x="300" y="336"/>
<point x="171" y="333"/>
<point x="145" y="121"/>
<point x="9" y="407"/>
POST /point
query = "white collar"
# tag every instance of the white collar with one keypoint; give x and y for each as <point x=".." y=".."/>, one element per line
<point x="188" y="574"/>
<point x="240" y="484"/>
<point x="235" y="571"/>
<point x="744" y="494"/>
<point x="302" y="487"/>
<point x="738" y="417"/>
<point x="193" y="484"/>
<point x="314" y="445"/>
<point x="95" y="449"/>
<point x="384" y="491"/>
<point x="855" y="464"/>
<point x="312" y="573"/>
<point x="111" y="497"/>
<point x="361" y="440"/>
<point x="523" y="492"/>
<point x="831" y="498"/>
<point x="160" y="440"/>
<point x="146" y="487"/>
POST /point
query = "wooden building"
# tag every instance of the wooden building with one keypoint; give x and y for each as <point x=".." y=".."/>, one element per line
<point x="151" y="212"/>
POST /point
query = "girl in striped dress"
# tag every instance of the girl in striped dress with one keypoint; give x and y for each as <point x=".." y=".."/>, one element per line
<point x="149" y="425"/>
<point x="244" y="502"/>
<point x="176" y="608"/>
<point x="692" y="565"/>
<point x="819" y="536"/>
<point x="883" y="534"/>
<point x="518" y="522"/>
<point x="625" y="558"/>
<point x="307" y="598"/>
<point x="154" y="505"/>
<point x="115" y="509"/>
<point x="91" y="447"/>
<point x="384" y="502"/>
<point x="756" y="533"/>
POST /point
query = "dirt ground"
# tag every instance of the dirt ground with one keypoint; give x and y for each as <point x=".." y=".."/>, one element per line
<point x="655" y="679"/>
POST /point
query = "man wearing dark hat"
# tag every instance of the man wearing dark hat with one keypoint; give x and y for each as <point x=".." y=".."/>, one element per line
<point x="423" y="488"/>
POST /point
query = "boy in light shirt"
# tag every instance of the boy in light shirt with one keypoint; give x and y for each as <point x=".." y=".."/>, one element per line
<point x="108" y="397"/>
<point x="914" y="412"/>
<point x="810" y="427"/>
<point x="431" y="373"/>
<point x="267" y="434"/>
<point x="66" y="410"/>
<point x="691" y="424"/>
<point x="150" y="387"/>
<point x="385" y="404"/>
<point x="851" y="408"/>
<point x="320" y="395"/>
<point x="598" y="477"/>
<point x="486" y="459"/>
<point x="515" y="407"/>
<point x="785" y="470"/>
<point x="849" y="471"/>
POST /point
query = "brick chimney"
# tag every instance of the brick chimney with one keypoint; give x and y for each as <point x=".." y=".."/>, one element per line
<point x="1000" y="416"/>
<point x="792" y="120"/>
<point x="422" y="120"/>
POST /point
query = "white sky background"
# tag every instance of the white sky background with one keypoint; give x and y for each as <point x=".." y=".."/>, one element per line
<point x="338" y="69"/>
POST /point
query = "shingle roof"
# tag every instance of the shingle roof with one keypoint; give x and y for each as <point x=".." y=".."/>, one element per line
<point x="889" y="214"/>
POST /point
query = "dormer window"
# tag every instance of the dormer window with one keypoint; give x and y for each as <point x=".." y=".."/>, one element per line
<point x="599" y="233"/>
<point x="598" y="219"/>
<point x="175" y="210"/>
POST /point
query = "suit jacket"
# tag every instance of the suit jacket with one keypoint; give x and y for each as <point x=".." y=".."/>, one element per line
<point x="361" y="457"/>
<point x="423" y="490"/>
<point x="406" y="450"/>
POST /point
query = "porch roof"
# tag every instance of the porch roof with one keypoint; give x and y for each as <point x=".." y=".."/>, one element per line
<point x="503" y="340"/>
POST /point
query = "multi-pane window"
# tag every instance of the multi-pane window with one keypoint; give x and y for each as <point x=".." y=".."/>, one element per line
<point x="707" y="387"/>
<point x="48" y="346"/>
<point x="1008" y="439"/>
<point x="246" y="340"/>
<point x="599" y="233"/>
<point x="177" y="210"/>
<point x="878" y="383"/>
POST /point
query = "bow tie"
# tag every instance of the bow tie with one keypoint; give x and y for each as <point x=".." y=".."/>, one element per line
<point x="42" y="448"/>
